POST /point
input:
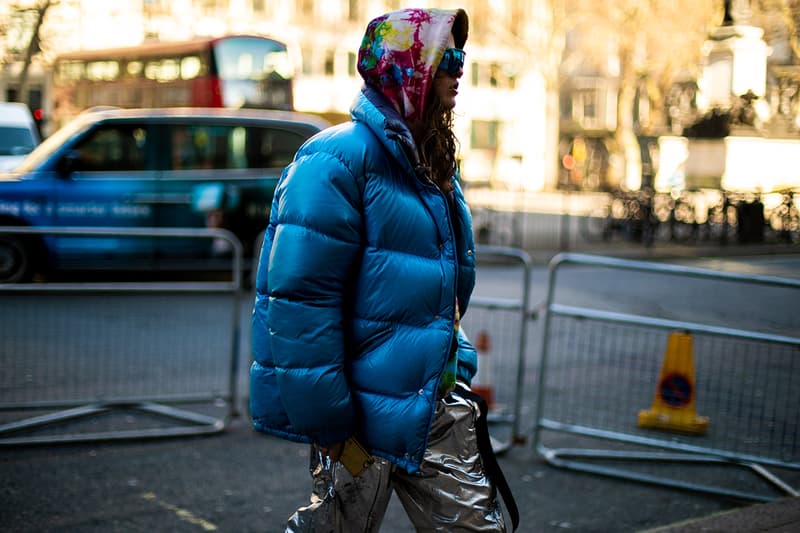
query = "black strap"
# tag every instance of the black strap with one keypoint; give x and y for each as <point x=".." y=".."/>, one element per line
<point x="489" y="459"/>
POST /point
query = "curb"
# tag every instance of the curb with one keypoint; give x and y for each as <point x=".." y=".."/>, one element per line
<point x="669" y="252"/>
<point x="779" y="516"/>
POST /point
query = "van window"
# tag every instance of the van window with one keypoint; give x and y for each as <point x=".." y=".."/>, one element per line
<point x="16" y="141"/>
<point x="231" y="147"/>
<point x="112" y="148"/>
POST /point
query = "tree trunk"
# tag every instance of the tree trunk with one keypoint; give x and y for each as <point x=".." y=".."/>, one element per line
<point x="33" y="49"/>
<point x="552" y="162"/>
<point x="629" y="167"/>
<point x="554" y="48"/>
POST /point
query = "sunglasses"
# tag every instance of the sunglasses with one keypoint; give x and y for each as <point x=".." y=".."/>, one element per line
<point x="452" y="61"/>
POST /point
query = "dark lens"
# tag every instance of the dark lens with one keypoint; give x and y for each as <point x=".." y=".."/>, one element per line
<point x="458" y="61"/>
<point x="452" y="61"/>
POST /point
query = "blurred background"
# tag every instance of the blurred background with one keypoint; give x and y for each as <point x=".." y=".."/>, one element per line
<point x="632" y="115"/>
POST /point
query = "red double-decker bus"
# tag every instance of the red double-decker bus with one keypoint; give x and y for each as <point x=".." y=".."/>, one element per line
<point x="230" y="71"/>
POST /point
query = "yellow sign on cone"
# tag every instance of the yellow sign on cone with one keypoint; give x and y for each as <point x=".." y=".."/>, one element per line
<point x="673" y="406"/>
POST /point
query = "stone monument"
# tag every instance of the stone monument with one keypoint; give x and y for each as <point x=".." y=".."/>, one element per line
<point x="735" y="61"/>
<point x="729" y="148"/>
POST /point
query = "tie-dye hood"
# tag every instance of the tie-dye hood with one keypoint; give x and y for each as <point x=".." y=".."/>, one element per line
<point x="401" y="51"/>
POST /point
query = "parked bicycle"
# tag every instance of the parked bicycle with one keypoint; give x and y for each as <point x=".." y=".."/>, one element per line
<point x="685" y="216"/>
<point x="721" y="223"/>
<point x="628" y="215"/>
<point x="676" y="213"/>
<point x="784" y="219"/>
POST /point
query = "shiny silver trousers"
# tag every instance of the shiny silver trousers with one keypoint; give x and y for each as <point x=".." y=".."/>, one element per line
<point x="451" y="492"/>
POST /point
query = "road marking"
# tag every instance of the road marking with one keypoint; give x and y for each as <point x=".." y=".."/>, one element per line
<point x="183" y="514"/>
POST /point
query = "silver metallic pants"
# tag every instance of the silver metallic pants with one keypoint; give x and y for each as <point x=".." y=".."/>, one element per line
<point x="451" y="492"/>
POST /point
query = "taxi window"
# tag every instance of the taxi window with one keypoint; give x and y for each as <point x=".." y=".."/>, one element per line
<point x="231" y="147"/>
<point x="272" y="147"/>
<point x="198" y="146"/>
<point x="112" y="148"/>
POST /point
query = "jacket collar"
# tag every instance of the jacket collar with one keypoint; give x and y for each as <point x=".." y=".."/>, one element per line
<point x="376" y="111"/>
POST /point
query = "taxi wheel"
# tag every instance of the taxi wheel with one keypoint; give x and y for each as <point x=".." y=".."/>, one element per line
<point x="15" y="260"/>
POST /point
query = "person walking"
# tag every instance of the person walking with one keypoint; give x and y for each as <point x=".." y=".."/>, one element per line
<point x="366" y="268"/>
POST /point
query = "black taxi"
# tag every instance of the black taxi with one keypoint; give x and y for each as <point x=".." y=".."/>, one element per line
<point x="146" y="168"/>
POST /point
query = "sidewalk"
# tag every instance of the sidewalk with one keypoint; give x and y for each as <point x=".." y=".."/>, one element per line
<point x="670" y="251"/>
<point x="782" y="516"/>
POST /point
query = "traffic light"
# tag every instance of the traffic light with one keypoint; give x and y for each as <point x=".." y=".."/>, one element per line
<point x="38" y="117"/>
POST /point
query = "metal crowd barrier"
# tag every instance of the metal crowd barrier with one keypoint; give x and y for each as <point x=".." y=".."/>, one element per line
<point x="707" y="394"/>
<point x="115" y="360"/>
<point x="497" y="327"/>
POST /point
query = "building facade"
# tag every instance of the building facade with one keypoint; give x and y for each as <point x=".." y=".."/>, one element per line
<point x="501" y="118"/>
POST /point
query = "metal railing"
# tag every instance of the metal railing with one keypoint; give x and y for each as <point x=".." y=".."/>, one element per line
<point x="113" y="360"/>
<point x="599" y="367"/>
<point x="497" y="328"/>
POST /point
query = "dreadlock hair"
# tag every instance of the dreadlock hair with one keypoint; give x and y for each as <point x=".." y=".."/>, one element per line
<point x="436" y="143"/>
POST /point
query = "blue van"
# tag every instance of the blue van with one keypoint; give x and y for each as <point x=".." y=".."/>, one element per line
<point x="146" y="168"/>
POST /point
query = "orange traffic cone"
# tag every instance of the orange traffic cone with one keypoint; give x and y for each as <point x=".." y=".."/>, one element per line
<point x="482" y="381"/>
<point x="673" y="406"/>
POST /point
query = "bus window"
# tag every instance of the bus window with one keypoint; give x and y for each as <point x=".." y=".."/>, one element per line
<point x="190" y="67"/>
<point x="249" y="58"/>
<point x="232" y="71"/>
<point x="162" y="70"/>
<point x="102" y="70"/>
<point x="254" y="73"/>
<point x="134" y="69"/>
<point x="70" y="71"/>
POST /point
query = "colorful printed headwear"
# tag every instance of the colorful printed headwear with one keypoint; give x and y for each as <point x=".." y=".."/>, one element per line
<point x="401" y="51"/>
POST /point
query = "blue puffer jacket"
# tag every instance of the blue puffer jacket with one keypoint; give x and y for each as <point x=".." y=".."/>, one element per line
<point x="356" y="290"/>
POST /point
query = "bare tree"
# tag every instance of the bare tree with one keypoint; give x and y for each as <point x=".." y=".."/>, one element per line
<point x="541" y="42"/>
<point x="36" y="13"/>
<point x="788" y="12"/>
<point x="651" y="42"/>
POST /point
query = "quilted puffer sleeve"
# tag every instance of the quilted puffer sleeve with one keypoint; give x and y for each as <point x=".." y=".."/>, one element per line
<point x="467" y="358"/>
<point x="317" y="240"/>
